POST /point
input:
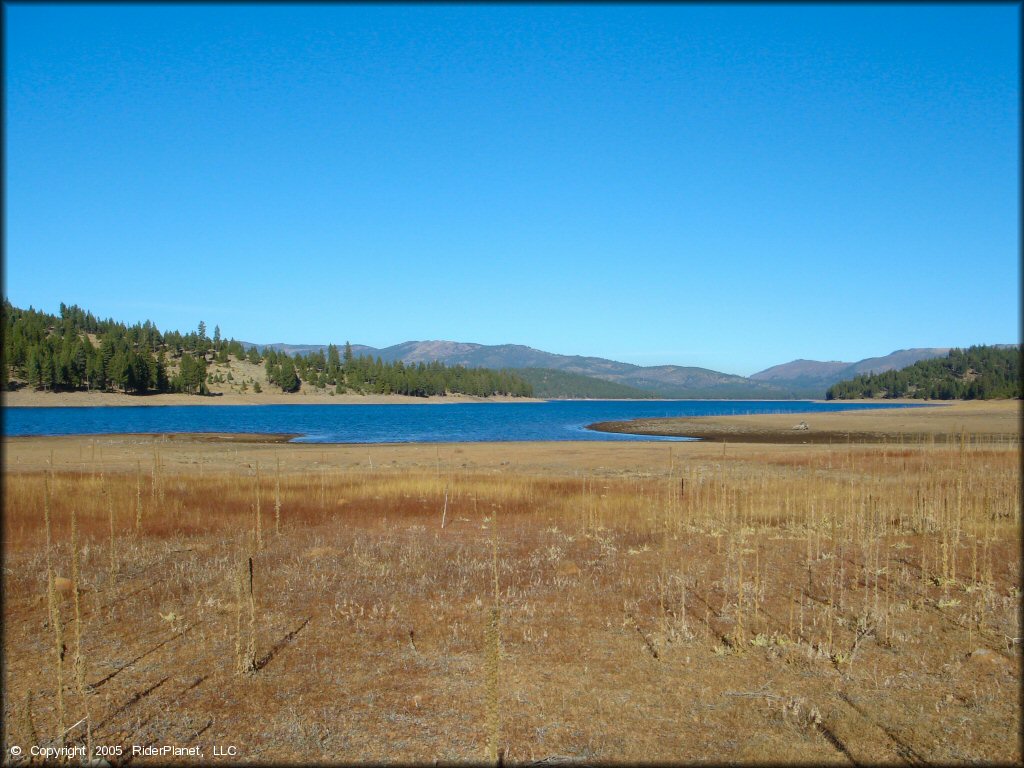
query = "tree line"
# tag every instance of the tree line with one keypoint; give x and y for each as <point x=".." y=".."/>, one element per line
<point x="980" y="372"/>
<point x="77" y="351"/>
<point x="342" y="372"/>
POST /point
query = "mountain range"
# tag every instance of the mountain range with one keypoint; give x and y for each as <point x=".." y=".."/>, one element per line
<point x="796" y="379"/>
<point x="816" y="375"/>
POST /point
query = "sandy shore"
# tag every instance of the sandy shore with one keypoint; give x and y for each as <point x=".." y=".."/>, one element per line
<point x="997" y="419"/>
<point x="25" y="398"/>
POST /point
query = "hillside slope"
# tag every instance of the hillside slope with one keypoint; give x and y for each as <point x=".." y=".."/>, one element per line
<point x="816" y="376"/>
<point x="549" y="383"/>
<point x="975" y="373"/>
<point x="661" y="381"/>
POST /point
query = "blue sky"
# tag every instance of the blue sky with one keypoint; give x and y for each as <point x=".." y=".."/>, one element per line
<point x="725" y="186"/>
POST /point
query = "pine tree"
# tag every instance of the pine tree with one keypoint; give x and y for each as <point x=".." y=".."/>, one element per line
<point x="287" y="379"/>
<point x="34" y="369"/>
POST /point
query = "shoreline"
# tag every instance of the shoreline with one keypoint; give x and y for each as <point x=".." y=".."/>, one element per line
<point x="931" y="421"/>
<point x="30" y="399"/>
<point x="997" y="421"/>
<point x="23" y="398"/>
<point x="939" y="421"/>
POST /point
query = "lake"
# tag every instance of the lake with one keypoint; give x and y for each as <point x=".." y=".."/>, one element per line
<point x="456" y="422"/>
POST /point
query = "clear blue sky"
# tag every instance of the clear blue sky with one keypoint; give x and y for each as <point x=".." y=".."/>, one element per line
<point x="726" y="186"/>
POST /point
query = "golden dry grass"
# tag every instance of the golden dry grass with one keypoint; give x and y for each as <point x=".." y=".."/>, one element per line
<point x="654" y="602"/>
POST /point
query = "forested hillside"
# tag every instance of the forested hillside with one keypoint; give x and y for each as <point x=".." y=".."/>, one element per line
<point x="975" y="373"/>
<point x="671" y="381"/>
<point x="547" y="382"/>
<point x="79" y="352"/>
<point x="345" y="372"/>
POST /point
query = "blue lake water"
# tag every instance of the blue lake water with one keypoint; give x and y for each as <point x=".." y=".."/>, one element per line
<point x="455" y="422"/>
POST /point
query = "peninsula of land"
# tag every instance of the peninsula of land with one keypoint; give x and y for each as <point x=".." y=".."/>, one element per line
<point x="996" y="419"/>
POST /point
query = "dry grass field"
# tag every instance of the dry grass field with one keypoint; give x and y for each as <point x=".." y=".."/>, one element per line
<point x="597" y="602"/>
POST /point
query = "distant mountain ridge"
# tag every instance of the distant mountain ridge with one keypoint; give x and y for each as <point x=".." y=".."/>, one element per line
<point x="671" y="381"/>
<point x="798" y="378"/>
<point x="549" y="383"/>
<point x="815" y="374"/>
